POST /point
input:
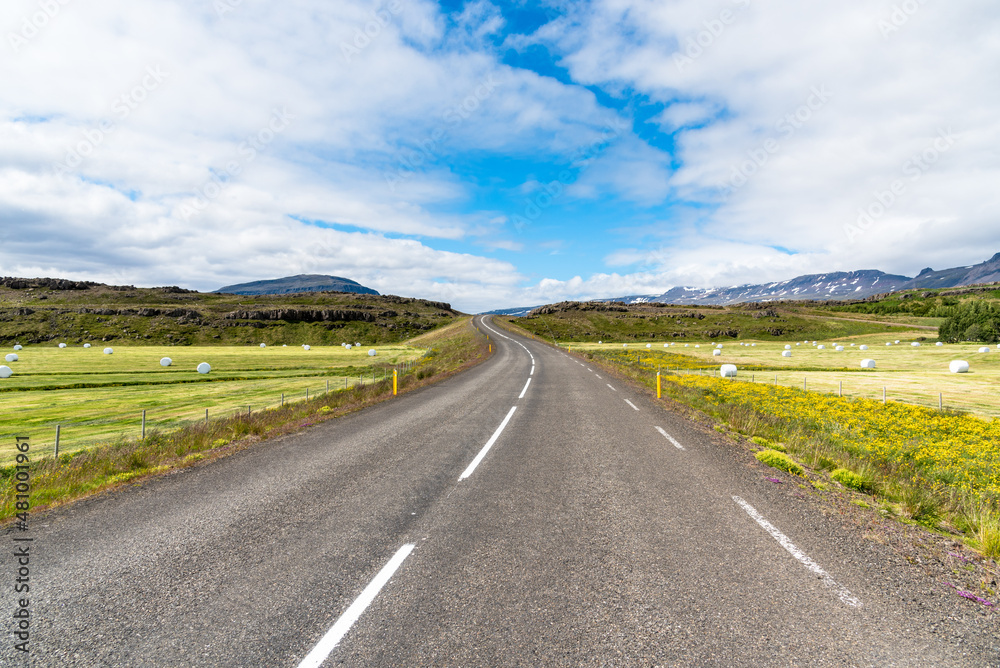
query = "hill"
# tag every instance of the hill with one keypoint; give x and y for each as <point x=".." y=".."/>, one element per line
<point x="299" y="283"/>
<point x="43" y="310"/>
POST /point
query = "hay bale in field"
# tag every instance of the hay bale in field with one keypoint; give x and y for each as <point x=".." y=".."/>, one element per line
<point x="204" y="367"/>
<point x="716" y="352"/>
<point x="306" y="346"/>
<point x="984" y="349"/>
<point x="719" y="345"/>
<point x="109" y="351"/>
<point x="6" y="372"/>
<point x="888" y="343"/>
<point x="372" y="353"/>
<point x="347" y="347"/>
<point x="86" y="345"/>
<point x="727" y="371"/>
<point x="786" y="353"/>
<point x="821" y="347"/>
<point x="263" y="345"/>
<point x="915" y="344"/>
<point x="11" y="357"/>
<point x="649" y="345"/>
<point x="959" y="366"/>
<point x="18" y="346"/>
<point x="166" y="361"/>
<point x="62" y="345"/>
<point x="787" y="347"/>
<point x="938" y="344"/>
<point x="839" y="349"/>
<point x="624" y="345"/>
<point x="862" y="347"/>
<point x="867" y="364"/>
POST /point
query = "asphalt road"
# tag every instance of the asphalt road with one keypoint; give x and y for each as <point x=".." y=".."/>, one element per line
<point x="597" y="529"/>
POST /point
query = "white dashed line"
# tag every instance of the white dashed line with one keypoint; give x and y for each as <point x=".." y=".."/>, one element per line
<point x="329" y="641"/>
<point x="609" y="385"/>
<point x="486" y="448"/>
<point x="521" y="396"/>
<point x="598" y="376"/>
<point x="532" y="370"/>
<point x="842" y="593"/>
<point x="670" y="438"/>
<point x="631" y="404"/>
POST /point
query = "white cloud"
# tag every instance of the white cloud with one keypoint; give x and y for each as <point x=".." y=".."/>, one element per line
<point x="890" y="94"/>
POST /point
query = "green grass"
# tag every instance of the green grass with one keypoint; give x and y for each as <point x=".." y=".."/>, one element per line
<point x="97" y="397"/>
<point x="127" y="457"/>
<point x="912" y="375"/>
<point x="779" y="460"/>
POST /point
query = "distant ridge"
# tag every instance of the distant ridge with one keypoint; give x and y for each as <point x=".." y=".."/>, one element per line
<point x="299" y="283"/>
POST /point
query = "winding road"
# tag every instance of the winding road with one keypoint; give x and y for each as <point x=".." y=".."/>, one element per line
<point x="533" y="511"/>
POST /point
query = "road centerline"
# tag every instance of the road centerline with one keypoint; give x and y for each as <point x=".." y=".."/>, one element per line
<point x="486" y="448"/>
<point x="330" y="640"/>
<point x="521" y="396"/>
<point x="609" y="385"/>
<point x="631" y="404"/>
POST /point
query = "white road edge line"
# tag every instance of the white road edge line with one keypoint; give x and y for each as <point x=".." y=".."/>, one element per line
<point x="631" y="404"/>
<point x="609" y="385"/>
<point x="521" y="396"/>
<point x="670" y="438"/>
<point x="328" y="642"/>
<point x="532" y="370"/>
<point x="486" y="448"/>
<point x="842" y="593"/>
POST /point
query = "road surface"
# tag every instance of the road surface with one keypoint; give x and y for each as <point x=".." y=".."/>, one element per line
<point x="533" y="511"/>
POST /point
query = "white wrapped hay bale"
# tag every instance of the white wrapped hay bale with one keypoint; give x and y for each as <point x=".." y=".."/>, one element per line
<point x="204" y="367"/>
<point x="915" y="344"/>
<point x="787" y="347"/>
<point x="984" y="349"/>
<point x="839" y="349"/>
<point x="888" y="344"/>
<point x="786" y="353"/>
<point x="86" y="345"/>
<point x="11" y="357"/>
<point x="62" y="345"/>
<point x="938" y="344"/>
<point x="166" y="361"/>
<point x="18" y="347"/>
<point x="6" y="371"/>
<point x="716" y="352"/>
<point x="372" y="353"/>
<point x="109" y="351"/>
<point x="624" y="345"/>
<point x="821" y="347"/>
<point x="347" y="347"/>
<point x="263" y="345"/>
<point x="862" y="347"/>
<point x="649" y="345"/>
<point x="306" y="347"/>
<point x="959" y="366"/>
<point x="697" y="345"/>
<point x="718" y="345"/>
<point x="896" y="341"/>
<point x="727" y="371"/>
<point x="867" y="364"/>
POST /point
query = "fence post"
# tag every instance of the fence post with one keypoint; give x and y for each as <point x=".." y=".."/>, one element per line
<point x="206" y="416"/>
<point x="307" y="394"/>
<point x="841" y="391"/>
<point x="282" y="399"/>
<point x="144" y="424"/>
<point x="883" y="394"/>
<point x="804" y="387"/>
<point x="248" y="411"/>
<point x="328" y="386"/>
<point x="58" y="427"/>
<point x="940" y="401"/>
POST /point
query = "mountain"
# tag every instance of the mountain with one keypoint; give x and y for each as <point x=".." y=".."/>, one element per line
<point x="984" y="272"/>
<point x="833" y="285"/>
<point x="300" y="283"/>
<point x="515" y="312"/>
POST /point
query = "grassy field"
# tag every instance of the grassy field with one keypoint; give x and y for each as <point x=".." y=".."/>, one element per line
<point x="127" y="457"/>
<point x="96" y="397"/>
<point x="910" y="374"/>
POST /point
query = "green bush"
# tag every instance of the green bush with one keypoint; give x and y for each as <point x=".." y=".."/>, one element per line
<point x="779" y="460"/>
<point x="851" y="480"/>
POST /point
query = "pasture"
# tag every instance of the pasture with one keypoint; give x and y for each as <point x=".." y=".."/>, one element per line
<point x="909" y="374"/>
<point x="97" y="398"/>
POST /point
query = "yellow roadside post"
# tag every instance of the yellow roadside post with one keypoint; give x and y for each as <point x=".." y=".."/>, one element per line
<point x="394" y="382"/>
<point x="658" y="392"/>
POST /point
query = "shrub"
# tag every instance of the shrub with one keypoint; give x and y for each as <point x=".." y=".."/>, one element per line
<point x="851" y="480"/>
<point x="779" y="460"/>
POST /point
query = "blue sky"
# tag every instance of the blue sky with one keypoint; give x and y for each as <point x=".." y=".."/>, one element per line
<point x="496" y="154"/>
